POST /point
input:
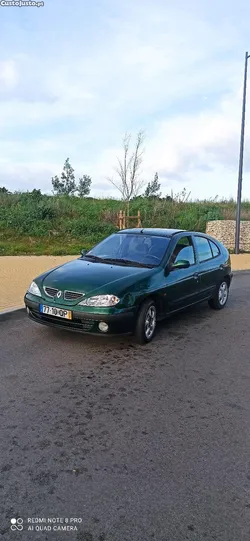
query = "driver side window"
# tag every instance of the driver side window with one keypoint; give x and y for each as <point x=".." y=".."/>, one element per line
<point x="183" y="250"/>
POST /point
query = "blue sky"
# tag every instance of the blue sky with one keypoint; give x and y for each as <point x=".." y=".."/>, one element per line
<point x="75" y="76"/>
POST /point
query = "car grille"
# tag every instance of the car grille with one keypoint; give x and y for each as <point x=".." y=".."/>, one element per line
<point x="88" y="324"/>
<point x="72" y="295"/>
<point x="75" y="323"/>
<point x="50" y="291"/>
<point x="68" y="295"/>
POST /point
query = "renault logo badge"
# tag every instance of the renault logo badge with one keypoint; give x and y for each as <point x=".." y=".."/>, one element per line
<point x="59" y="294"/>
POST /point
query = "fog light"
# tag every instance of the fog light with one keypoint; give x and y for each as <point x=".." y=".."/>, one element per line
<point x="28" y="310"/>
<point x="103" y="326"/>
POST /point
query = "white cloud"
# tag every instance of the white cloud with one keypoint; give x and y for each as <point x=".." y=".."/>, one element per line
<point x="199" y="152"/>
<point x="168" y="68"/>
<point x="8" y="74"/>
<point x="205" y="137"/>
<point x="196" y="151"/>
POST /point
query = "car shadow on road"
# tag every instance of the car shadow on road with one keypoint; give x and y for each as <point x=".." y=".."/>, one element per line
<point x="176" y="325"/>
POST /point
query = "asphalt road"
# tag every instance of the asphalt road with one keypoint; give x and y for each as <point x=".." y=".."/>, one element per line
<point x="140" y="443"/>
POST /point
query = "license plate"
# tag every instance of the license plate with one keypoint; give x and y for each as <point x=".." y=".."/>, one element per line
<point x="57" y="312"/>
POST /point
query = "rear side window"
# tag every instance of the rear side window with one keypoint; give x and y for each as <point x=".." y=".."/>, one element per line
<point x="214" y="248"/>
<point x="203" y="249"/>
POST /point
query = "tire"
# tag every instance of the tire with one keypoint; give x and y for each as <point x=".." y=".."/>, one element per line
<point x="220" y="297"/>
<point x="146" y="323"/>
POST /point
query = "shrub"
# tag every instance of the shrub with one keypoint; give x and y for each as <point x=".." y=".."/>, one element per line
<point x="45" y="212"/>
<point x="82" y="226"/>
<point x="84" y="222"/>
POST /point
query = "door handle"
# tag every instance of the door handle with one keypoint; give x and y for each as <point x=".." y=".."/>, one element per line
<point x="196" y="276"/>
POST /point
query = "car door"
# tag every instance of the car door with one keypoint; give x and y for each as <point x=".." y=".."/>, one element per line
<point x="210" y="269"/>
<point x="182" y="285"/>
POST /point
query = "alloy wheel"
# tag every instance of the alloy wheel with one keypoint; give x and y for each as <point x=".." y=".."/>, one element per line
<point x="223" y="293"/>
<point x="150" y="322"/>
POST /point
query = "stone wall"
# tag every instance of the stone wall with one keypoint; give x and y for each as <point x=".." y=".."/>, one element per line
<point x="224" y="231"/>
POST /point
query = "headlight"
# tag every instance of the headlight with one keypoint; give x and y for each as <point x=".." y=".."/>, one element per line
<point x="100" y="300"/>
<point x="34" y="289"/>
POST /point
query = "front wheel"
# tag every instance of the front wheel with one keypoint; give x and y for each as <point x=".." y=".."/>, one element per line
<point x="146" y="323"/>
<point x="220" y="297"/>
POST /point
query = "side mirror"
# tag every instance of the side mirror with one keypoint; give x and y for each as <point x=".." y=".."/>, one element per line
<point x="181" y="264"/>
<point x="83" y="252"/>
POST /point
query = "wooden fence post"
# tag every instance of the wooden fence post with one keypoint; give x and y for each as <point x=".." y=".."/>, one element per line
<point x="123" y="220"/>
<point x="120" y="219"/>
<point x="138" y="219"/>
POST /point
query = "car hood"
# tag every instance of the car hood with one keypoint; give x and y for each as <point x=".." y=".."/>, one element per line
<point x="91" y="277"/>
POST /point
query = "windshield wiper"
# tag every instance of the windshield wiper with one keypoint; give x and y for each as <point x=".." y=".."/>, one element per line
<point x="127" y="262"/>
<point x="94" y="257"/>
<point x="118" y="260"/>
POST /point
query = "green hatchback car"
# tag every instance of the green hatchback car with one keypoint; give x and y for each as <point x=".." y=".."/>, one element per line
<point x="131" y="280"/>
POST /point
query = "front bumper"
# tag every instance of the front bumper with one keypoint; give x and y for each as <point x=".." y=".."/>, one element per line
<point x="84" y="322"/>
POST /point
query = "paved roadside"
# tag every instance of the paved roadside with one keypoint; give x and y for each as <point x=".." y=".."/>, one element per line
<point x="16" y="273"/>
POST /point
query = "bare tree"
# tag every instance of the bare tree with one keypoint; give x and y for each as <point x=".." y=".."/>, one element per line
<point x="128" y="169"/>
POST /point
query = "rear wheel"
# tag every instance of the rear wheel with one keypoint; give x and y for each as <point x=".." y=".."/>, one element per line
<point x="220" y="297"/>
<point x="146" y="323"/>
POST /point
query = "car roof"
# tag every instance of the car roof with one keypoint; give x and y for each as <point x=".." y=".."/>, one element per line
<point x="156" y="231"/>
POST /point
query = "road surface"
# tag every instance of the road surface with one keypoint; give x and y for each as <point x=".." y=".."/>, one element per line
<point x="136" y="443"/>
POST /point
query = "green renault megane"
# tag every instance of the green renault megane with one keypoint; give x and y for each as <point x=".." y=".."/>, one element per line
<point x="131" y="280"/>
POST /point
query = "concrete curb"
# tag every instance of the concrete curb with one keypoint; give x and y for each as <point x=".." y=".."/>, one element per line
<point x="11" y="312"/>
<point x="8" y="310"/>
<point x="243" y="271"/>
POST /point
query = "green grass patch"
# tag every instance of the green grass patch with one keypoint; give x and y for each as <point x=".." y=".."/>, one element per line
<point x="52" y="225"/>
<point x="40" y="246"/>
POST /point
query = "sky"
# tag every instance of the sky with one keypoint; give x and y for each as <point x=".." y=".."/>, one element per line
<point x="75" y="76"/>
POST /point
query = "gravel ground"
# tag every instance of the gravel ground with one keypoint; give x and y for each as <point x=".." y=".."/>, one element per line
<point x="139" y="442"/>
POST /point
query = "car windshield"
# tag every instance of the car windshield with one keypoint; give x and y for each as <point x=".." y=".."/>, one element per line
<point x="131" y="248"/>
